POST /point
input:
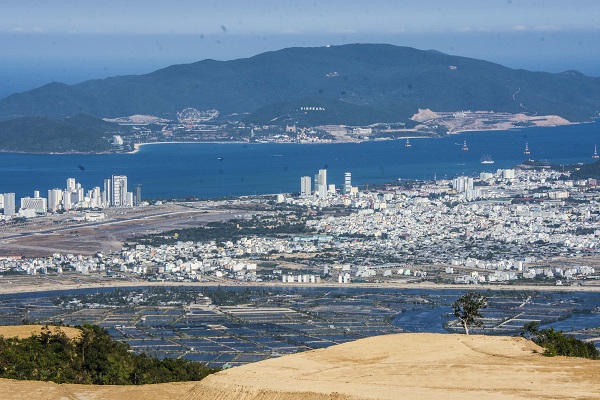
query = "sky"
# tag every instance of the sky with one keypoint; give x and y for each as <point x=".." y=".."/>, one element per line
<point x="70" y="41"/>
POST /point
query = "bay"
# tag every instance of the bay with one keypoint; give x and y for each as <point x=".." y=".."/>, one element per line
<point x="218" y="170"/>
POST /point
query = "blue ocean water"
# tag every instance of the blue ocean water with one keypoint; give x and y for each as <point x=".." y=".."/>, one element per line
<point x="217" y="170"/>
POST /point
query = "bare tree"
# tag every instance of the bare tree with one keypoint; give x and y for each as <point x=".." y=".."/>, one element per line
<point x="467" y="308"/>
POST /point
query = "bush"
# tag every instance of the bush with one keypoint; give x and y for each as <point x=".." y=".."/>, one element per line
<point x="93" y="358"/>
<point x="557" y="344"/>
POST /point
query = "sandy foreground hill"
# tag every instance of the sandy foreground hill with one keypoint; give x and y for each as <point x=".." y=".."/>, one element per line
<point x="403" y="366"/>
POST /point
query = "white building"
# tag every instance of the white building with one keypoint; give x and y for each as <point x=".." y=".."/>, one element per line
<point x="55" y="198"/>
<point x="8" y="203"/>
<point x="347" y="182"/>
<point x="305" y="186"/>
<point x="38" y="204"/>
<point x="119" y="191"/>
<point x="462" y="184"/>
<point x="321" y="184"/>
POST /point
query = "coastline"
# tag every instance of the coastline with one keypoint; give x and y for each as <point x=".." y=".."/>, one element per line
<point x="137" y="146"/>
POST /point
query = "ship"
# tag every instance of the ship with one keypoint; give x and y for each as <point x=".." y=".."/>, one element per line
<point x="487" y="159"/>
<point x="465" y="147"/>
<point x="595" y="155"/>
<point x="407" y="143"/>
<point x="526" y="148"/>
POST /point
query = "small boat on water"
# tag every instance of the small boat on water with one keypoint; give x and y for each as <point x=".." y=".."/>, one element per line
<point x="407" y="143"/>
<point x="595" y="155"/>
<point x="487" y="159"/>
<point x="465" y="147"/>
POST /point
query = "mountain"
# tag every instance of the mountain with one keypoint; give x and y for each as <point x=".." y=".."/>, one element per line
<point x="79" y="133"/>
<point x="314" y="111"/>
<point x="394" y="80"/>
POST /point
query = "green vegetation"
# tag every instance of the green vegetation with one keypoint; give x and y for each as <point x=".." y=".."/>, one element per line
<point x="93" y="358"/>
<point x="587" y="171"/>
<point x="392" y="79"/>
<point x="557" y="344"/>
<point x="228" y="230"/>
<point x="80" y="133"/>
<point x="334" y="112"/>
<point x="467" y="308"/>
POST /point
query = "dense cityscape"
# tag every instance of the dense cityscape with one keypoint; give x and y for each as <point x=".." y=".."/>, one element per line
<point x="73" y="197"/>
<point x="510" y="226"/>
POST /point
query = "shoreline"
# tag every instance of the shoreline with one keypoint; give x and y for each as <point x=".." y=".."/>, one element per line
<point x="137" y="146"/>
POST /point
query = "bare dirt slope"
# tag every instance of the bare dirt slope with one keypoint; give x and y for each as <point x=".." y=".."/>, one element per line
<point x="411" y="366"/>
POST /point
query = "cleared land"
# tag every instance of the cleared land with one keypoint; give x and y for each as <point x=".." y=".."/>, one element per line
<point x="56" y="234"/>
<point x="415" y="366"/>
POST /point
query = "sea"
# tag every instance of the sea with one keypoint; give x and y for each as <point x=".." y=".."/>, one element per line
<point x="207" y="170"/>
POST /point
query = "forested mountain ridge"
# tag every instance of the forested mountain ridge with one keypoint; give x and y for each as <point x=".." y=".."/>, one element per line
<point x="395" y="81"/>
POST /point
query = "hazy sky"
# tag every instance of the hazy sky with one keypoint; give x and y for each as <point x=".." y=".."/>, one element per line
<point x="73" y="40"/>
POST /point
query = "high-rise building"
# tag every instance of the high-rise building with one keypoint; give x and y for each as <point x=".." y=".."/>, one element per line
<point x="55" y="197"/>
<point x="321" y="183"/>
<point x="67" y="200"/>
<point x="305" y="186"/>
<point x="137" y="195"/>
<point x="128" y="199"/>
<point x="107" y="193"/>
<point x="119" y="191"/>
<point x="96" y="198"/>
<point x="347" y="182"/>
<point x="71" y="184"/>
<point x="462" y="184"/>
<point x="9" y="204"/>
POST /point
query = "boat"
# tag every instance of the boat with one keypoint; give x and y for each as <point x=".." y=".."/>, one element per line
<point x="595" y="155"/>
<point x="407" y="143"/>
<point x="487" y="159"/>
<point x="526" y="148"/>
<point x="465" y="147"/>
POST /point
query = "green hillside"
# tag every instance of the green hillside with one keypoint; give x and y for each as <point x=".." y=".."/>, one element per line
<point x="394" y="80"/>
<point x="587" y="171"/>
<point x="79" y="133"/>
<point x="315" y="111"/>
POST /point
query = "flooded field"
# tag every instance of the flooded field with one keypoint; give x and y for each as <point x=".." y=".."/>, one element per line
<point x="230" y="326"/>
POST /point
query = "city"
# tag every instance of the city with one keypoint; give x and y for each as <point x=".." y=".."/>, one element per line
<point x="514" y="226"/>
<point x="73" y="197"/>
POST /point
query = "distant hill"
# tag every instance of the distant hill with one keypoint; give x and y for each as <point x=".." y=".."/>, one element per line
<point x="383" y="79"/>
<point x="79" y="133"/>
<point x="587" y="171"/>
